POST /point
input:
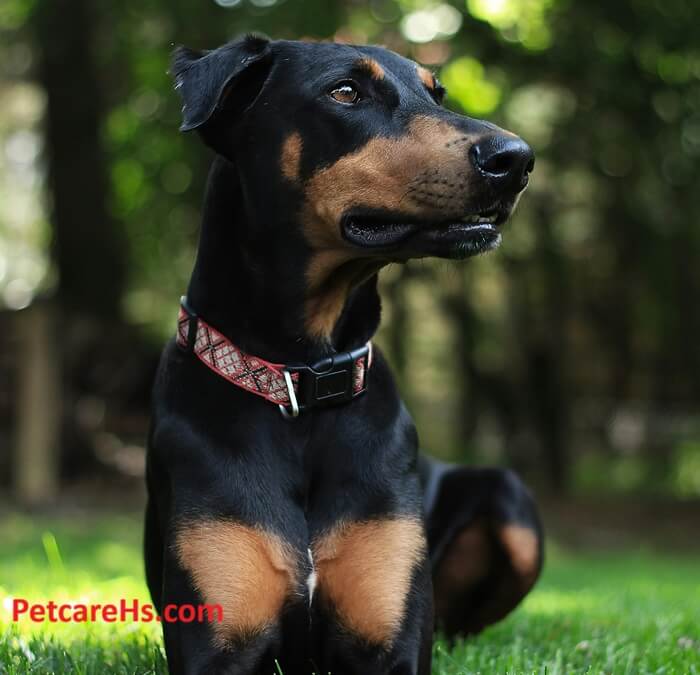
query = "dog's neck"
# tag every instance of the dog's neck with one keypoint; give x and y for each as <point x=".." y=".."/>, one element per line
<point x="253" y="289"/>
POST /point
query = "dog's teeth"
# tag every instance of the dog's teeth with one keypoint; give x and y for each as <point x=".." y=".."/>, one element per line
<point x="481" y="218"/>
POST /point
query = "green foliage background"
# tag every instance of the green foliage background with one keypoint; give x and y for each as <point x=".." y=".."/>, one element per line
<point x="574" y="345"/>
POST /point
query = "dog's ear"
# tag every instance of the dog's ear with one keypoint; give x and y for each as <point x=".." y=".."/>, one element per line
<point x="225" y="79"/>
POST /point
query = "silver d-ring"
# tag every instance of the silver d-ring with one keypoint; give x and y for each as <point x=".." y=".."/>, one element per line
<point x="292" y="398"/>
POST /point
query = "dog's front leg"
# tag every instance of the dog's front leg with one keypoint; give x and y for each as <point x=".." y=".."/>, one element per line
<point x="240" y="580"/>
<point x="372" y="608"/>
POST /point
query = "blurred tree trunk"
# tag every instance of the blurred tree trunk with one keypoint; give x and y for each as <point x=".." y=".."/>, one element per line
<point x="540" y="293"/>
<point x="547" y="357"/>
<point x="35" y="470"/>
<point x="455" y="303"/>
<point x="477" y="389"/>
<point x="397" y="329"/>
<point x="89" y="250"/>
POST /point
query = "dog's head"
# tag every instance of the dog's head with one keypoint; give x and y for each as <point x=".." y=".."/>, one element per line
<point x="351" y="148"/>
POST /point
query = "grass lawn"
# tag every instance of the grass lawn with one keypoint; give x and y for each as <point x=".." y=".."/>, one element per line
<point x="631" y="613"/>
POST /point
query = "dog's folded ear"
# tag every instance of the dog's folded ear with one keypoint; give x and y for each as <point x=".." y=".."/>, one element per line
<point x="228" y="78"/>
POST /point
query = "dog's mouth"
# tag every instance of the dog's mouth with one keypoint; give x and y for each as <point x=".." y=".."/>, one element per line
<point x="387" y="233"/>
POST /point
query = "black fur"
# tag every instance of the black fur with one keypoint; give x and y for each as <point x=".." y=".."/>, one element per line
<point x="205" y="78"/>
<point x="217" y="452"/>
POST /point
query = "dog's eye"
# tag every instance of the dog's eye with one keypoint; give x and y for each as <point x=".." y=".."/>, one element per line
<point x="345" y="92"/>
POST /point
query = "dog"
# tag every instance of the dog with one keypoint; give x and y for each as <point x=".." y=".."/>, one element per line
<point x="284" y="480"/>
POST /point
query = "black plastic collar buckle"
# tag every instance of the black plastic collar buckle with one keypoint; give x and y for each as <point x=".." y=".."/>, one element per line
<point x="331" y="380"/>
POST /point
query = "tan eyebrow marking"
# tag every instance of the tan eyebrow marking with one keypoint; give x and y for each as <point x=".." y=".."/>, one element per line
<point x="371" y="66"/>
<point x="426" y="77"/>
<point x="291" y="156"/>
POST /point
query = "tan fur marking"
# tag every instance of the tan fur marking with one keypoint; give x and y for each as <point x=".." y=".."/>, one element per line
<point x="522" y="548"/>
<point x="371" y="66"/>
<point x="328" y="292"/>
<point x="386" y="173"/>
<point x="323" y="310"/>
<point x="291" y="156"/>
<point x="427" y="78"/>
<point x="247" y="571"/>
<point x="365" y="570"/>
<point x="465" y="562"/>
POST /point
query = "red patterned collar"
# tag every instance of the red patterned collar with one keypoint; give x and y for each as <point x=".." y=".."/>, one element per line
<point x="336" y="379"/>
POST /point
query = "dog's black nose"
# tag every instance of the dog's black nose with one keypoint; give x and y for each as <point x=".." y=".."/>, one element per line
<point x="505" y="159"/>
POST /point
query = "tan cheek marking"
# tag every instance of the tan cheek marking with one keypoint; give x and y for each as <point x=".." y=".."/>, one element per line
<point x="372" y="67"/>
<point x="381" y="174"/>
<point x="378" y="175"/>
<point x="364" y="570"/>
<point x="248" y="572"/>
<point x="522" y="546"/>
<point x="291" y="156"/>
<point x="426" y="77"/>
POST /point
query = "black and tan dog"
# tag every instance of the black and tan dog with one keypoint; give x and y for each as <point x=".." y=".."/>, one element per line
<point x="309" y="517"/>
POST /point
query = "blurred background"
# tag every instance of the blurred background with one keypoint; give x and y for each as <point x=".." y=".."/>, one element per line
<point x="571" y="354"/>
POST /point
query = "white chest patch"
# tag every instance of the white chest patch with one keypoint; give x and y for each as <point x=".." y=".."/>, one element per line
<point x="311" y="579"/>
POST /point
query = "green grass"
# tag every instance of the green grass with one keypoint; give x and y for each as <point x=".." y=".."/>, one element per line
<point x="633" y="613"/>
